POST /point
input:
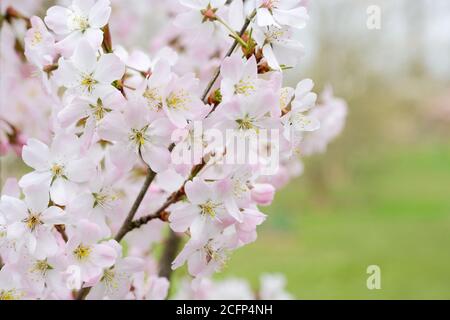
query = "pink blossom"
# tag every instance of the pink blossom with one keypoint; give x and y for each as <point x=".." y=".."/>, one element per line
<point x="82" y="20"/>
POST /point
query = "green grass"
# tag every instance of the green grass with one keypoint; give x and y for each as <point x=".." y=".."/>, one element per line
<point x="391" y="210"/>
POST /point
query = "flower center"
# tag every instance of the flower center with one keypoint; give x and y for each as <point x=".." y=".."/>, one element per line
<point x="209" y="13"/>
<point x="41" y="267"/>
<point x="240" y="188"/>
<point x="37" y="38"/>
<point x="103" y="199"/>
<point x="9" y="295"/>
<point x="57" y="170"/>
<point x="178" y="100"/>
<point x="99" y="110"/>
<point x="109" y="279"/>
<point x="89" y="82"/>
<point x="32" y="221"/>
<point x="138" y="137"/>
<point x="275" y="34"/>
<point x="284" y="95"/>
<point x="215" y="255"/>
<point x="300" y="121"/>
<point x="244" y="86"/>
<point x="80" y="23"/>
<point x="209" y="208"/>
<point x="245" y="124"/>
<point x="82" y="252"/>
<point x="153" y="98"/>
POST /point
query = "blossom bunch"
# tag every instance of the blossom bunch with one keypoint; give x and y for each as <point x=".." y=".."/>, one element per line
<point x="127" y="164"/>
<point x="271" y="287"/>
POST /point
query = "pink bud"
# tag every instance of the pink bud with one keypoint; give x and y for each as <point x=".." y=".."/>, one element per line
<point x="263" y="194"/>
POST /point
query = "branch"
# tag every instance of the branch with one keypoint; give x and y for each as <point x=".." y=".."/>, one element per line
<point x="12" y="13"/>
<point x="169" y="254"/>
<point x="229" y="53"/>
<point x="175" y="197"/>
<point x="129" y="224"/>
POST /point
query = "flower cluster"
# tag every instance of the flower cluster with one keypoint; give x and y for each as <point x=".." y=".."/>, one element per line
<point x="272" y="287"/>
<point x="126" y="162"/>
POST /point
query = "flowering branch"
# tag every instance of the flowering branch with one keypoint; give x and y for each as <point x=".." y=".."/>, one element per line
<point x="216" y="75"/>
<point x="127" y="225"/>
<point x="111" y="111"/>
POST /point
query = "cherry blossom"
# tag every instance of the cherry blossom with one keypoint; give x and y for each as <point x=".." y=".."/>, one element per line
<point x="82" y="20"/>
<point x="239" y="78"/>
<point x="84" y="75"/>
<point x="57" y="168"/>
<point x="39" y="44"/>
<point x="30" y="223"/>
<point x="278" y="46"/>
<point x="204" y="212"/>
<point x="85" y="251"/>
<point x="281" y="13"/>
<point x="140" y="133"/>
<point x="115" y="282"/>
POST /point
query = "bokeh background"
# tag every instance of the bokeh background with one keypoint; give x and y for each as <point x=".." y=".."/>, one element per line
<point x="380" y="195"/>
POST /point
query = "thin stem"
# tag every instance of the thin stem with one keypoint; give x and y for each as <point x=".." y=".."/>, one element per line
<point x="168" y="255"/>
<point x="12" y="13"/>
<point x="229" y="53"/>
<point x="175" y="197"/>
<point x="127" y="224"/>
<point x="234" y="34"/>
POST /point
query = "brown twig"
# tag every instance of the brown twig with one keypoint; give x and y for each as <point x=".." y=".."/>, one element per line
<point x="127" y="225"/>
<point x="170" y="251"/>
<point x="62" y="231"/>
<point x="107" y="40"/>
<point x="229" y="53"/>
<point x="12" y="13"/>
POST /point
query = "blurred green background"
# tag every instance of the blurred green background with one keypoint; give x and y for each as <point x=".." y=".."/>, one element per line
<point x="381" y="193"/>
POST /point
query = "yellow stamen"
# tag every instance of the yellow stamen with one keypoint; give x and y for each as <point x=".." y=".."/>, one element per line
<point x="178" y="100"/>
<point x="245" y="87"/>
<point x="32" y="221"/>
<point x="153" y="98"/>
<point x="9" y="295"/>
<point x="245" y="124"/>
<point x="209" y="208"/>
<point x="81" y="23"/>
<point x="42" y="267"/>
<point x="57" y="170"/>
<point x="138" y="136"/>
<point x="88" y="82"/>
<point x="82" y="252"/>
<point x="37" y="38"/>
